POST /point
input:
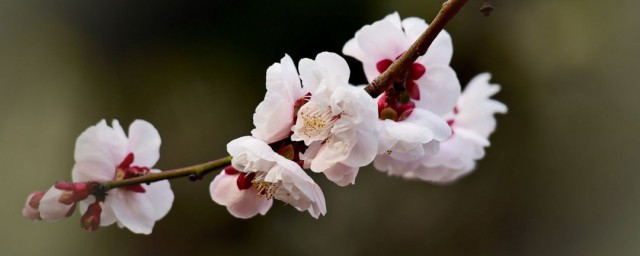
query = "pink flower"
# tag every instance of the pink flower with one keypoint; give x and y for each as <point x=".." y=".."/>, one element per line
<point x="259" y="175"/>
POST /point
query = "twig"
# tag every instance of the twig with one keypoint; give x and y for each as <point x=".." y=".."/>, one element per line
<point x="195" y="172"/>
<point x="449" y="9"/>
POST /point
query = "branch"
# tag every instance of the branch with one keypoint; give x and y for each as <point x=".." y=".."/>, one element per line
<point x="195" y="172"/>
<point x="449" y="9"/>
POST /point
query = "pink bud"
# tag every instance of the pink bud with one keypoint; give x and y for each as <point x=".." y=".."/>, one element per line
<point x="90" y="220"/>
<point x="50" y="206"/>
<point x="30" y="210"/>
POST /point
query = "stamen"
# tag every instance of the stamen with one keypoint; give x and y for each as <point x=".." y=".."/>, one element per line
<point x="267" y="189"/>
<point x="317" y="121"/>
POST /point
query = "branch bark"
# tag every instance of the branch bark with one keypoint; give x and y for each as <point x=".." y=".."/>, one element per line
<point x="195" y="172"/>
<point x="449" y="9"/>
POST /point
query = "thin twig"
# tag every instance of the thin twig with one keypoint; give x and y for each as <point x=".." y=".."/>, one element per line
<point x="196" y="171"/>
<point x="449" y="9"/>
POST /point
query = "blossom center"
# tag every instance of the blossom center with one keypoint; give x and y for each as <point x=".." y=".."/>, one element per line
<point x="265" y="188"/>
<point x="125" y="171"/>
<point x="317" y="121"/>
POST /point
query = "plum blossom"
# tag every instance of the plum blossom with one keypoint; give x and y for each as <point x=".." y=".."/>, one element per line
<point x="258" y="175"/>
<point x="104" y="154"/>
<point x="328" y="122"/>
<point x="472" y="121"/>
<point x="410" y="125"/>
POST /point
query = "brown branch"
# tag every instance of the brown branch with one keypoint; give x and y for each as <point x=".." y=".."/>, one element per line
<point x="195" y="172"/>
<point x="449" y="9"/>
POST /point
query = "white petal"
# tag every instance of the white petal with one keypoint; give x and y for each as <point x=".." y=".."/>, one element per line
<point x="351" y="48"/>
<point x="477" y="108"/>
<point x="364" y="150"/>
<point x="438" y="126"/>
<point x="144" y="142"/>
<point x="329" y="154"/>
<point x="99" y="149"/>
<point x="134" y="211"/>
<point x="335" y="65"/>
<point x="93" y="168"/>
<point x="439" y="90"/>
<point x="389" y="46"/>
<point x="342" y="174"/>
<point x="160" y="195"/>
<point x="250" y="154"/>
<point x="440" y="51"/>
<point x="310" y="74"/>
<point x="273" y="118"/>
<point x="274" y="115"/>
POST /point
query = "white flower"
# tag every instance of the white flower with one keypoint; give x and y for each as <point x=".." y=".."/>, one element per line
<point x="410" y="125"/>
<point x="105" y="153"/>
<point x="472" y="122"/>
<point x="265" y="174"/>
<point x="333" y="119"/>
<point x="379" y="44"/>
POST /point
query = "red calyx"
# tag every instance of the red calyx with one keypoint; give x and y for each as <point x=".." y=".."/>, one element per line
<point x="34" y="202"/>
<point x="244" y="180"/>
<point x="383" y="65"/>
<point x="417" y="70"/>
<point x="126" y="171"/>
<point x="230" y="170"/>
<point x="74" y="192"/>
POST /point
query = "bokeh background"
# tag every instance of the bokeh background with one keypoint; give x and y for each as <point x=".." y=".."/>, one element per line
<point x="561" y="177"/>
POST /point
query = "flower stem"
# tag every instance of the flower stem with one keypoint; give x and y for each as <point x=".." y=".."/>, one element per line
<point x="449" y="9"/>
<point x="196" y="171"/>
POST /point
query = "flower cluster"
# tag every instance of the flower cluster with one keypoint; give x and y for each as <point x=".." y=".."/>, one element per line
<point x="421" y="127"/>
<point x="103" y="154"/>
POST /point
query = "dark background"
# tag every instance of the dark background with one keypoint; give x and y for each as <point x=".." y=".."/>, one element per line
<point x="561" y="176"/>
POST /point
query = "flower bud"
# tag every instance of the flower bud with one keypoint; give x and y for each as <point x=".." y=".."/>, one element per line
<point x="51" y="208"/>
<point x="90" y="220"/>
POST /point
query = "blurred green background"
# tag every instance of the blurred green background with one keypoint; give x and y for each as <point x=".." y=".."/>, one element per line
<point x="561" y="177"/>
